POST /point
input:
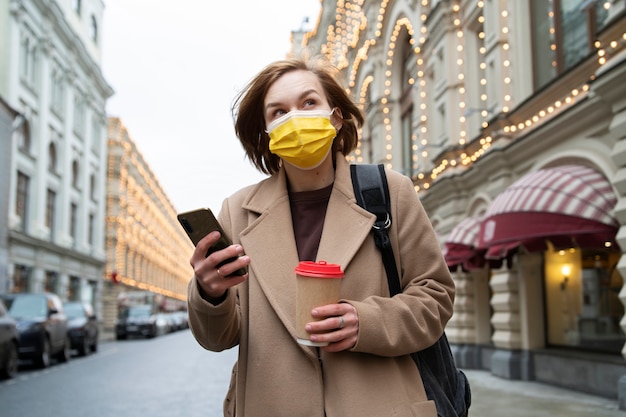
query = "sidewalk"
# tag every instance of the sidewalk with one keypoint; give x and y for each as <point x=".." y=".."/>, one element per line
<point x="497" y="397"/>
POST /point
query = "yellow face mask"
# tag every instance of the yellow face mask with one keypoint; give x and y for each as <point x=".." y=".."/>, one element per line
<point x="302" y="137"/>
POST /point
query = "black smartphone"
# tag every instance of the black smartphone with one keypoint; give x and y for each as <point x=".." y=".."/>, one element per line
<point x="199" y="223"/>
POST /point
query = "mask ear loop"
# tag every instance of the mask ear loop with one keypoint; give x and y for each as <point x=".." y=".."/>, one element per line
<point x="338" y="115"/>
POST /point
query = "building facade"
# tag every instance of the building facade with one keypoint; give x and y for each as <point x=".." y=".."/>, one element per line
<point x="146" y="247"/>
<point x="11" y="123"/>
<point x="510" y="117"/>
<point x="55" y="197"/>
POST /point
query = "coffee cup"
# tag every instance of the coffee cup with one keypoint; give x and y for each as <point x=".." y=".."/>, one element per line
<point x="318" y="284"/>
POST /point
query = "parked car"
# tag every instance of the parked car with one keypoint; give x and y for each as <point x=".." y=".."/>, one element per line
<point x="137" y="320"/>
<point x="41" y="325"/>
<point x="182" y="320"/>
<point x="82" y="327"/>
<point x="163" y="324"/>
<point x="8" y="344"/>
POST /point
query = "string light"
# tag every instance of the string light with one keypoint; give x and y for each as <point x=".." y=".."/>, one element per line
<point x="351" y="23"/>
<point x="140" y="223"/>
<point x="461" y="73"/>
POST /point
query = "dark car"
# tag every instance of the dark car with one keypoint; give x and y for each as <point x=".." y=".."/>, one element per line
<point x="8" y="344"/>
<point x="41" y="325"/>
<point x="137" y="320"/>
<point x="82" y="326"/>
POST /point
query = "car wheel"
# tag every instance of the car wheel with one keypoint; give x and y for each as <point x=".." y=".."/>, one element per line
<point x="83" y="348"/>
<point x="43" y="361"/>
<point x="94" y="345"/>
<point x="65" y="353"/>
<point x="10" y="367"/>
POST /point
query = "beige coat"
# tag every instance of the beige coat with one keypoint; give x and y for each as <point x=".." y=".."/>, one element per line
<point x="275" y="376"/>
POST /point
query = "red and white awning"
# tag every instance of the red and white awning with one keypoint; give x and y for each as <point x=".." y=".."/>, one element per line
<point x="460" y="246"/>
<point x="569" y="205"/>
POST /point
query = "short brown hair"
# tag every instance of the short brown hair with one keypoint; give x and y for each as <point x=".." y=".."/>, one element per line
<point x="249" y="118"/>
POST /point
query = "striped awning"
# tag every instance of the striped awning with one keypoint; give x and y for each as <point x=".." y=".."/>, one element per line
<point x="570" y="205"/>
<point x="460" y="246"/>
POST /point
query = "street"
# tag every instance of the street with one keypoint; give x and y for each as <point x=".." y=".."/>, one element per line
<point x="172" y="376"/>
<point x="169" y="375"/>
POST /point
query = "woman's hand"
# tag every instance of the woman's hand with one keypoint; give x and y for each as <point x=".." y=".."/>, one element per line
<point x="339" y="326"/>
<point x="215" y="280"/>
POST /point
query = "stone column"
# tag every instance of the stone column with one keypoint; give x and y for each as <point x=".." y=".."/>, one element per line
<point x="469" y="327"/>
<point x="506" y="360"/>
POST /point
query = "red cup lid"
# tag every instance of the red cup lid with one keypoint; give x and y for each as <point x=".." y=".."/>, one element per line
<point x="319" y="269"/>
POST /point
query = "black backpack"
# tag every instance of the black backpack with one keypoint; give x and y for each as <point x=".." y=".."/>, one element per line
<point x="444" y="383"/>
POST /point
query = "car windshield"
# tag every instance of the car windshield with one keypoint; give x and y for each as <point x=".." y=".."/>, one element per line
<point x="27" y="306"/>
<point x="143" y="311"/>
<point x="74" y="310"/>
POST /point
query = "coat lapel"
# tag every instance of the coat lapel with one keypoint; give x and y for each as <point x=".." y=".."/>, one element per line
<point x="270" y="243"/>
<point x="346" y="225"/>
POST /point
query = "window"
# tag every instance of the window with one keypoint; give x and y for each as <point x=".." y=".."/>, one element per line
<point x="77" y="6"/>
<point x="73" y="220"/>
<point x="96" y="135"/>
<point x="563" y="35"/>
<point x="28" y="57"/>
<point x="24" y="55"/>
<point x="74" y="289"/>
<point x="52" y="158"/>
<point x="21" y="199"/>
<point x="443" y="123"/>
<point x="93" y="29"/>
<point x="52" y="282"/>
<point x="91" y="229"/>
<point x="408" y="59"/>
<point x="23" y="138"/>
<point x="50" y="211"/>
<point x="583" y="309"/>
<point x="75" y="174"/>
<point x="92" y="187"/>
<point x="79" y="113"/>
<point x="21" y="279"/>
<point x="407" y="141"/>
<point x="57" y="90"/>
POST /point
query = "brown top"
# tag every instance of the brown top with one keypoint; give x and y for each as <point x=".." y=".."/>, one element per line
<point x="308" y="210"/>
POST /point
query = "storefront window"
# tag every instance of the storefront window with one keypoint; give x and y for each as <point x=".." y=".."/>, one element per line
<point x="582" y="300"/>
<point x="52" y="282"/>
<point x="20" y="279"/>
<point x="74" y="290"/>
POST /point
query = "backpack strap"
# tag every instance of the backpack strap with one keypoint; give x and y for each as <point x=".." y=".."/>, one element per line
<point x="444" y="383"/>
<point x="372" y="193"/>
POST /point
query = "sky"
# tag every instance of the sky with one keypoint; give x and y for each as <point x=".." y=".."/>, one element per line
<point x="176" y="71"/>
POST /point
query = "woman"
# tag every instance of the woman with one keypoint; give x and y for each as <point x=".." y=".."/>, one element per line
<point x="297" y="124"/>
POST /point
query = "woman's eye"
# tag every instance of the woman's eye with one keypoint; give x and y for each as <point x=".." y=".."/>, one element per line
<point x="278" y="113"/>
<point x="309" y="103"/>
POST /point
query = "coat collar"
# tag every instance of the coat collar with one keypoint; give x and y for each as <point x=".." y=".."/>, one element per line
<point x="270" y="242"/>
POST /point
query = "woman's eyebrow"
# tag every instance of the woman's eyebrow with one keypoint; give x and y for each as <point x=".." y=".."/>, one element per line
<point x="300" y="97"/>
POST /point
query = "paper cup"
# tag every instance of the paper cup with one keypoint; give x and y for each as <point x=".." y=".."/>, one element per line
<point x="318" y="284"/>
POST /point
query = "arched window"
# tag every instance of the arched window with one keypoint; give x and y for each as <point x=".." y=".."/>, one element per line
<point x="409" y="163"/>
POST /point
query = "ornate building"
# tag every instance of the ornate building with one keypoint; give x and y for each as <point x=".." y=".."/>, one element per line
<point x="56" y="154"/>
<point x="510" y="117"/>
<point x="146" y="247"/>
